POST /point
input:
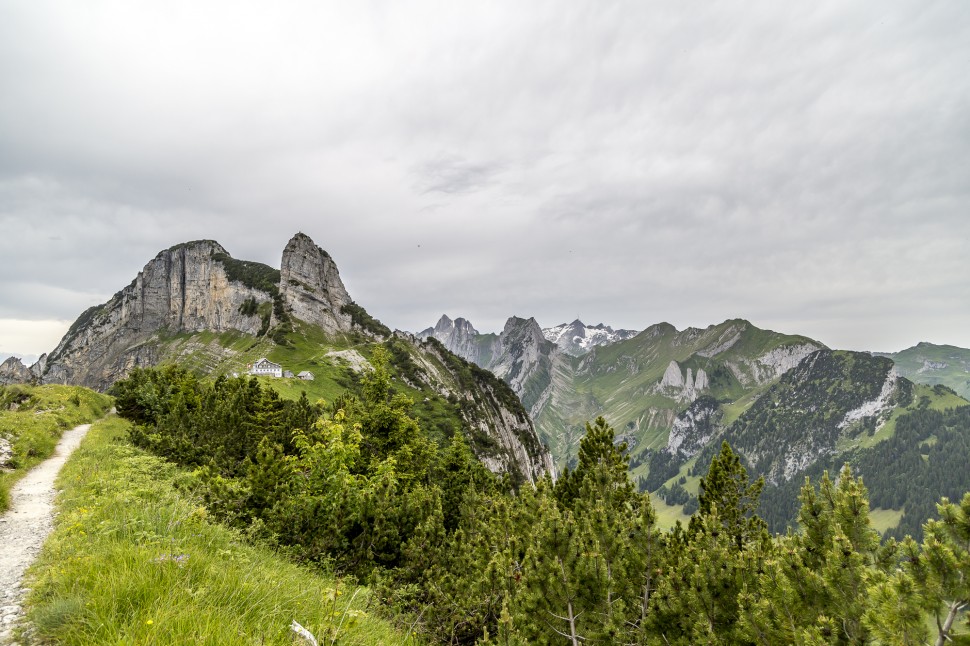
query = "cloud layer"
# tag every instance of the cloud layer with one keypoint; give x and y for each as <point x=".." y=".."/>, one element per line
<point x="804" y="167"/>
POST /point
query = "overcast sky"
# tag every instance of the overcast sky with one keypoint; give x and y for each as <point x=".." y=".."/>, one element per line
<point x="805" y="166"/>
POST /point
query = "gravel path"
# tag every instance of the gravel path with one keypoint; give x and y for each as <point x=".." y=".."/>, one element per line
<point x="25" y="526"/>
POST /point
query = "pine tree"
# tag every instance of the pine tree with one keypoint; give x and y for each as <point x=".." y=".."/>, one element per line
<point x="895" y="612"/>
<point x="714" y="561"/>
<point x="561" y="578"/>
<point x="815" y="584"/>
<point x="644" y="567"/>
<point x="726" y="487"/>
<point x="597" y="447"/>
<point x="941" y="568"/>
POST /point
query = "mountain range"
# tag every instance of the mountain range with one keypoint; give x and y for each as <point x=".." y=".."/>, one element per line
<point x="788" y="404"/>
<point x="196" y="306"/>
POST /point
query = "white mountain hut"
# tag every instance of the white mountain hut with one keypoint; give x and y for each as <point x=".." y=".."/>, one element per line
<point x="267" y="368"/>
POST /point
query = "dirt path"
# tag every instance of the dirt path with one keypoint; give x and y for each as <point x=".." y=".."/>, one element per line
<point x="25" y="526"/>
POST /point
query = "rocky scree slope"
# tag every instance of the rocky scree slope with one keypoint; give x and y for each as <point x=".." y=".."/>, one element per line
<point x="195" y="289"/>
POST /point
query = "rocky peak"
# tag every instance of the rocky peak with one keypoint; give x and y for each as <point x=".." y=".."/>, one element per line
<point x="13" y="371"/>
<point x="465" y="327"/>
<point x="191" y="287"/>
<point x="523" y="329"/>
<point x="577" y="338"/>
<point x="311" y="287"/>
<point x="461" y="337"/>
<point x="682" y="388"/>
<point x="445" y="326"/>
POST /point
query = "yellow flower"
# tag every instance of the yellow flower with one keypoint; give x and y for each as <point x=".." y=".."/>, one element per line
<point x="149" y="622"/>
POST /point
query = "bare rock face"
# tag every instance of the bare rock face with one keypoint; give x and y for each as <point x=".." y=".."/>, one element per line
<point x="461" y="337"/>
<point x="675" y="385"/>
<point x="521" y="355"/>
<point x="311" y="287"/>
<point x="183" y="289"/>
<point x="513" y="447"/>
<point x="694" y="428"/>
<point x="13" y="371"/>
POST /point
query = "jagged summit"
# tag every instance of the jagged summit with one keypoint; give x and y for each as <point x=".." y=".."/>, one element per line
<point x="577" y="338"/>
<point x="446" y="325"/>
<point x="14" y="371"/>
<point x="196" y="306"/>
<point x="311" y="287"/>
<point x="196" y="287"/>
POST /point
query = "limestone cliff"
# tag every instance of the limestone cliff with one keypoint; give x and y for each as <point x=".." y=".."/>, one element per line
<point x="186" y="288"/>
<point x="461" y="337"/>
<point x="521" y="355"/>
<point x="501" y="434"/>
<point x="13" y="371"/>
<point x="686" y="389"/>
<point x="311" y="287"/>
<point x="170" y="310"/>
<point x="694" y="428"/>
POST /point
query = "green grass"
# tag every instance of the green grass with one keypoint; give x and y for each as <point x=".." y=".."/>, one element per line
<point x="307" y="349"/>
<point x="134" y="560"/>
<point x="620" y="381"/>
<point x="938" y="402"/>
<point x="735" y="409"/>
<point x="915" y="364"/>
<point x="668" y="515"/>
<point x="32" y="419"/>
<point x="224" y="353"/>
<point x="883" y="519"/>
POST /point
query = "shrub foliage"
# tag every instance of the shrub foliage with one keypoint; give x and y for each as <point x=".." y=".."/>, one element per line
<point x="465" y="557"/>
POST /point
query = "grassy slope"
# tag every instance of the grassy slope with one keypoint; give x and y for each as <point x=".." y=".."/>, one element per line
<point x="911" y="363"/>
<point x="668" y="515"/>
<point x="228" y="352"/>
<point x="937" y="401"/>
<point x="621" y="377"/>
<point x="42" y="414"/>
<point x="133" y="559"/>
<point x="307" y="349"/>
<point x="883" y="519"/>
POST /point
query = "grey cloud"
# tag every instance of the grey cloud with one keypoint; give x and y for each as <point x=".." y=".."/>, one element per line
<point x="453" y="174"/>
<point x="625" y="162"/>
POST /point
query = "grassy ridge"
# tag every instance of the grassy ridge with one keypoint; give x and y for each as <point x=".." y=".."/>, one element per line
<point x="621" y="381"/>
<point x="134" y="559"/>
<point x="32" y="419"/>
<point x="932" y="364"/>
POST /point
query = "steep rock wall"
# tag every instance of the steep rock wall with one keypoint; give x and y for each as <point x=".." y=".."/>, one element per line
<point x="517" y="449"/>
<point x="310" y="286"/>
<point x="183" y="289"/>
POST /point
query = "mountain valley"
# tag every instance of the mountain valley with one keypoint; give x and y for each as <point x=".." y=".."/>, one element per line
<point x="786" y="403"/>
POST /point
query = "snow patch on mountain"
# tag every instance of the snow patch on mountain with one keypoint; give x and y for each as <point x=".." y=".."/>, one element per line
<point x="577" y="338"/>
